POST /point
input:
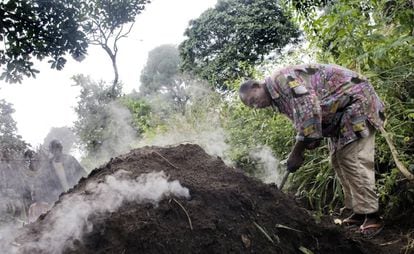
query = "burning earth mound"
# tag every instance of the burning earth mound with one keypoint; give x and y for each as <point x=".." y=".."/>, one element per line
<point x="177" y="200"/>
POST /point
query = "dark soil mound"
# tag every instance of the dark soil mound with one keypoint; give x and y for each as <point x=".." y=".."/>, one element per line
<point x="228" y="212"/>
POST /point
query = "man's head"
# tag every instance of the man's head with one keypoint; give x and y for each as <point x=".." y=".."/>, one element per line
<point x="254" y="94"/>
<point x="55" y="147"/>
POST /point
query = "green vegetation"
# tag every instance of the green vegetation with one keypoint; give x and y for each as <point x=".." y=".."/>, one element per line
<point x="93" y="116"/>
<point x="225" y="41"/>
<point x="11" y="144"/>
<point x="161" y="77"/>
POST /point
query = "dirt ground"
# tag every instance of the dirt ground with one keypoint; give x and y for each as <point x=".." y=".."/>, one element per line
<point x="228" y="212"/>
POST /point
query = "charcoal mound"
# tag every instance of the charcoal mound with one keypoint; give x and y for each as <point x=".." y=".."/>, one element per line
<point x="228" y="212"/>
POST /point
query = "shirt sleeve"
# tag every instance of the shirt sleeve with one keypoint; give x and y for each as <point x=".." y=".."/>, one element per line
<point x="307" y="115"/>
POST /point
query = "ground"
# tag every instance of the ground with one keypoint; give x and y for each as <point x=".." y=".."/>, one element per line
<point x="228" y="212"/>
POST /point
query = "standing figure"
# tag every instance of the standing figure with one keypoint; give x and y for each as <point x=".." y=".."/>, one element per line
<point x="66" y="167"/>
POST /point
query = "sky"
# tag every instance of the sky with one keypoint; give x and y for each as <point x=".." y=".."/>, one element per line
<point x="49" y="100"/>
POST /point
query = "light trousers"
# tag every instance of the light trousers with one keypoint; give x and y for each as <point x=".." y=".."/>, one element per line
<point x="354" y="166"/>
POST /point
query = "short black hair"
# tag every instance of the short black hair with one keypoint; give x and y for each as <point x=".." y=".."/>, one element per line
<point x="247" y="86"/>
<point x="55" y="145"/>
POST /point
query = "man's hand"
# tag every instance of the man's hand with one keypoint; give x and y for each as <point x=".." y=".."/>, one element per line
<point x="313" y="144"/>
<point x="296" y="157"/>
<point x="294" y="162"/>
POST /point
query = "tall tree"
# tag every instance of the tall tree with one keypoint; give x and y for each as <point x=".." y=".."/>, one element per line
<point x="107" y="22"/>
<point x="38" y="29"/>
<point x="225" y="41"/>
<point x="161" y="76"/>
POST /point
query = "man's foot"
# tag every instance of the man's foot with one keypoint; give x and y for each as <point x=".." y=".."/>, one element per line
<point x="371" y="227"/>
<point x="344" y="211"/>
<point x="355" y="220"/>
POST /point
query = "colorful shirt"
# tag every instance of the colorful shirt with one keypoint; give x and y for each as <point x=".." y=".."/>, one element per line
<point x="326" y="100"/>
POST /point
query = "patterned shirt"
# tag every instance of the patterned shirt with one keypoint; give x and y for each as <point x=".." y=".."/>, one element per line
<point x="326" y="100"/>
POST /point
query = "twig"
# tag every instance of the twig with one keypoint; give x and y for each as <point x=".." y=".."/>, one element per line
<point x="289" y="228"/>
<point x="172" y="165"/>
<point x="390" y="243"/>
<point x="127" y="32"/>
<point x="305" y="250"/>
<point x="186" y="213"/>
<point x="264" y="232"/>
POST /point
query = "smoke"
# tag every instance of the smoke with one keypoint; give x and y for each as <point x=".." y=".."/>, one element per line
<point x="268" y="166"/>
<point x="120" y="125"/>
<point x="200" y="123"/>
<point x="14" y="190"/>
<point x="69" y="220"/>
<point x="211" y="137"/>
<point x="119" y="136"/>
<point x="8" y="231"/>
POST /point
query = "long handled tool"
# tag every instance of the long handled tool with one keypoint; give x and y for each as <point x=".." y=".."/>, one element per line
<point x="283" y="164"/>
<point x="284" y="179"/>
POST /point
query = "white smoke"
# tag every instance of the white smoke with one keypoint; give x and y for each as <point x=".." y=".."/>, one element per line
<point x="120" y="124"/>
<point x="69" y="219"/>
<point x="196" y="120"/>
<point x="8" y="231"/>
<point x="268" y="166"/>
<point x="119" y="136"/>
<point x="200" y="124"/>
<point x="14" y="194"/>
<point x="211" y="138"/>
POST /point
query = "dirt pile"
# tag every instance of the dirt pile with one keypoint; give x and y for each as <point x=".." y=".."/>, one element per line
<point x="227" y="212"/>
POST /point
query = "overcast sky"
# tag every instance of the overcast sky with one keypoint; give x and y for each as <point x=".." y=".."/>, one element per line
<point x="48" y="100"/>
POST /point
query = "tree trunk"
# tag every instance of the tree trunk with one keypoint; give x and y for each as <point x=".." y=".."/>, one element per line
<point x="114" y="66"/>
<point x="116" y="78"/>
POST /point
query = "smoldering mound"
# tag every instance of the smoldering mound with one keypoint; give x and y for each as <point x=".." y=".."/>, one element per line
<point x="225" y="212"/>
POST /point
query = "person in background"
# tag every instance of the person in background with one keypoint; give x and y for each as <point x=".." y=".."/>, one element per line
<point x="326" y="100"/>
<point x="55" y="172"/>
<point x="66" y="167"/>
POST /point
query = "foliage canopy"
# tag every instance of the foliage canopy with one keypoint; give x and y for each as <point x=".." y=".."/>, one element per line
<point x="40" y="29"/>
<point x="226" y="40"/>
<point x="161" y="77"/>
<point x="161" y="70"/>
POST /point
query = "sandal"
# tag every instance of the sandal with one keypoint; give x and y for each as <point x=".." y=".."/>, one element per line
<point x="371" y="230"/>
<point x="355" y="220"/>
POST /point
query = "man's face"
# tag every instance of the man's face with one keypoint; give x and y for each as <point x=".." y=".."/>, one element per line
<point x="256" y="98"/>
<point x="54" y="151"/>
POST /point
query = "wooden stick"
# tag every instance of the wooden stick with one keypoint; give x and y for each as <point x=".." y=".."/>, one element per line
<point x="394" y="153"/>
<point x="186" y="213"/>
<point x="172" y="165"/>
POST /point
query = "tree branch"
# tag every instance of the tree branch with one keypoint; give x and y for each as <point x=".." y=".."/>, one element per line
<point x="129" y="30"/>
<point x="394" y="154"/>
<point x="105" y="38"/>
